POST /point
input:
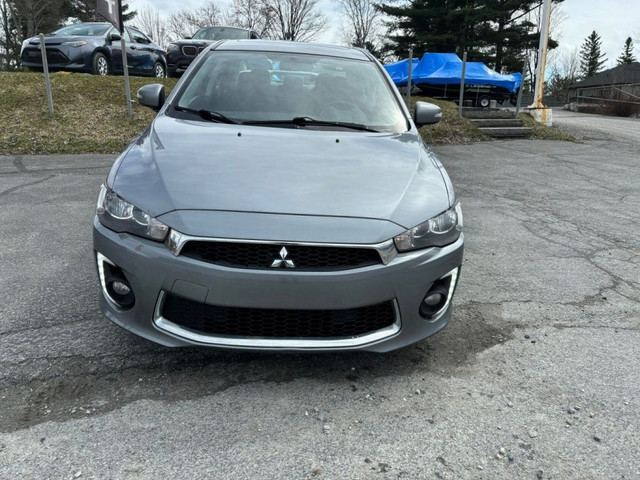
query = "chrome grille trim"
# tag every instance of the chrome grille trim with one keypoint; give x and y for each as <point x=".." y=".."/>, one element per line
<point x="169" y="327"/>
<point x="176" y="241"/>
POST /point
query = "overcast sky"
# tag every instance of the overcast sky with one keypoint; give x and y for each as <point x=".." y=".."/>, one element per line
<point x="614" y="20"/>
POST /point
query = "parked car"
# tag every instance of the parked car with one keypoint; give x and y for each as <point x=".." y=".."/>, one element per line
<point x="286" y="209"/>
<point x="96" y="48"/>
<point x="181" y="53"/>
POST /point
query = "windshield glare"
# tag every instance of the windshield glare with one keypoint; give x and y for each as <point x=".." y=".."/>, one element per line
<point x="258" y="87"/>
<point x="221" y="33"/>
<point x="83" y="30"/>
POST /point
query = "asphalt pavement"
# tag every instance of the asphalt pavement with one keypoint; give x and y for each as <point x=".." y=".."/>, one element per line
<point x="537" y="376"/>
<point x="589" y="126"/>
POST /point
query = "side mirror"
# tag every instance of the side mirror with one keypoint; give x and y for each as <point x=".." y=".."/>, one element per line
<point x="427" y="114"/>
<point x="151" y="96"/>
<point x="115" y="37"/>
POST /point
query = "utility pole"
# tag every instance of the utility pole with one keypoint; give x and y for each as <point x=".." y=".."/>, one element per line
<point x="537" y="109"/>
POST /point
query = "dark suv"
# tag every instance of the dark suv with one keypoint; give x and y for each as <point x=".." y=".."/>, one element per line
<point x="96" y="48"/>
<point x="181" y="53"/>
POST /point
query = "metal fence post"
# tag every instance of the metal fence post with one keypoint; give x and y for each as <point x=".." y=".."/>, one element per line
<point x="125" y="67"/>
<point x="410" y="72"/>
<point x="524" y="70"/>
<point x="45" y="68"/>
<point x="464" y="72"/>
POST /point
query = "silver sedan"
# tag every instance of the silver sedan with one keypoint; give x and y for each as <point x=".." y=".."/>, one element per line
<point x="281" y="200"/>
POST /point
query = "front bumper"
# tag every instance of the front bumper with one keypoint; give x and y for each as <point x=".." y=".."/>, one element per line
<point x="153" y="272"/>
<point x="58" y="58"/>
<point x="177" y="63"/>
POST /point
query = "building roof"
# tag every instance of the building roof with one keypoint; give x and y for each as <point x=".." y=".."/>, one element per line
<point x="621" y="75"/>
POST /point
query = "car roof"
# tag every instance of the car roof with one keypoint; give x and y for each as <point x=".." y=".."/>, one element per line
<point x="293" y="47"/>
<point x="224" y="26"/>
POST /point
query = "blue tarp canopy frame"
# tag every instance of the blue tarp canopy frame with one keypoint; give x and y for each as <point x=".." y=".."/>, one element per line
<point x="446" y="68"/>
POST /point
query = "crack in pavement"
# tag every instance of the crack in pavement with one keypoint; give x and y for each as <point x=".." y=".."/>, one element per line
<point x="24" y="185"/>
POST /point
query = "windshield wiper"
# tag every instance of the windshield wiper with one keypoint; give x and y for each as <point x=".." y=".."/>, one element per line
<point x="207" y="115"/>
<point x="306" y="121"/>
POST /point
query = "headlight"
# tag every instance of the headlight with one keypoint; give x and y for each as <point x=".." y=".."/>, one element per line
<point x="75" y="44"/>
<point x="439" y="231"/>
<point x="120" y="216"/>
<point x="172" y="48"/>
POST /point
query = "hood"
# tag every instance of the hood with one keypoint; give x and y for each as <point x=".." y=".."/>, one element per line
<point x="51" y="40"/>
<point x="197" y="43"/>
<point x="193" y="165"/>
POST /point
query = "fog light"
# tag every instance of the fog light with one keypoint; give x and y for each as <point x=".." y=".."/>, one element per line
<point x="438" y="298"/>
<point x="114" y="283"/>
<point x="433" y="299"/>
<point x="120" y="288"/>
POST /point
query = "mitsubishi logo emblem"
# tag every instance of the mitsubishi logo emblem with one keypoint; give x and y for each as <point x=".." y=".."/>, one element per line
<point x="283" y="262"/>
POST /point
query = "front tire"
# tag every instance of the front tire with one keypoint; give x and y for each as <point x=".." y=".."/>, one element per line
<point x="159" y="71"/>
<point x="101" y="65"/>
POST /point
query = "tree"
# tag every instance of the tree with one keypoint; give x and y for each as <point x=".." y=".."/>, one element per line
<point x="565" y="72"/>
<point x="363" y="19"/>
<point x="296" y="20"/>
<point x="86" y="11"/>
<point x="150" y="22"/>
<point x="498" y="32"/>
<point x="591" y="58"/>
<point x="22" y="19"/>
<point x="185" y="22"/>
<point x="254" y="15"/>
<point x="627" y="53"/>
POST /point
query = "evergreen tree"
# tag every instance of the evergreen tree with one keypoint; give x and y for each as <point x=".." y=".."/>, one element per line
<point x="591" y="58"/>
<point x="434" y="25"/>
<point x="627" y="53"/>
<point x="496" y="32"/>
<point x="85" y="11"/>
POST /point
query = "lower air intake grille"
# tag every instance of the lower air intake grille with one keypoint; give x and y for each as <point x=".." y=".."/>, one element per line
<point x="272" y="323"/>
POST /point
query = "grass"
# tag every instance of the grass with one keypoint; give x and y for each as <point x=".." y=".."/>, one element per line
<point x="452" y="129"/>
<point x="90" y="113"/>
<point x="90" y="116"/>
<point x="542" y="132"/>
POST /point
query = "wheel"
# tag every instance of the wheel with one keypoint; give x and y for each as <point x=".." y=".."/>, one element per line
<point x="484" y="101"/>
<point x="513" y="99"/>
<point x="101" y="64"/>
<point x="159" y="70"/>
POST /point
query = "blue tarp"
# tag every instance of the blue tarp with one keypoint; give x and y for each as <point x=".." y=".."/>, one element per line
<point x="399" y="72"/>
<point x="446" y="68"/>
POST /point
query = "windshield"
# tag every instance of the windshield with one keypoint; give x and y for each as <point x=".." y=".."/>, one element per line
<point x="83" y="30"/>
<point x="221" y="33"/>
<point x="278" y="87"/>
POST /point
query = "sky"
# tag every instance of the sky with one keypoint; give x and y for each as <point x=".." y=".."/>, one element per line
<point x="614" y="20"/>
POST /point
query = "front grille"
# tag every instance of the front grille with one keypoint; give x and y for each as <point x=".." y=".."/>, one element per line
<point x="261" y="256"/>
<point x="272" y="323"/>
<point x="54" y="56"/>
<point x="190" y="50"/>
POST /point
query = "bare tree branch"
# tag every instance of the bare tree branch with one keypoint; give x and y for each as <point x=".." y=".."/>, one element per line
<point x="254" y="15"/>
<point x="363" y="20"/>
<point x="297" y="20"/>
